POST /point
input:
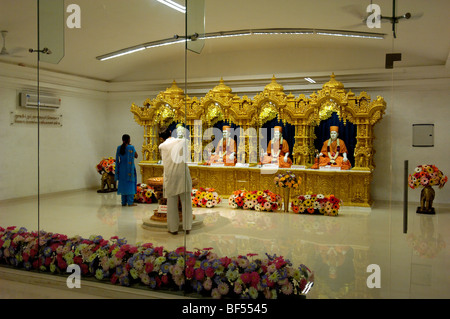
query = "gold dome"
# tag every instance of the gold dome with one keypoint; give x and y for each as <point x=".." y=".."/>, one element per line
<point x="333" y="83"/>
<point x="274" y="86"/>
<point x="222" y="88"/>
<point x="174" y="89"/>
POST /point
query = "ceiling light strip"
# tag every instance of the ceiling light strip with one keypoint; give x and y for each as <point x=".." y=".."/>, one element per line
<point x="173" y="5"/>
<point x="239" y="33"/>
<point x="121" y="53"/>
<point x="350" y="34"/>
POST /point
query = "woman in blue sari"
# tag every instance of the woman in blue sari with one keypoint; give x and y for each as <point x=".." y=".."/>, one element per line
<point x="126" y="171"/>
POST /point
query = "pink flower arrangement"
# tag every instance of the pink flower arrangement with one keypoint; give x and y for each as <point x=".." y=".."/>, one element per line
<point x="316" y="204"/>
<point x="201" y="271"/>
<point x="426" y="175"/>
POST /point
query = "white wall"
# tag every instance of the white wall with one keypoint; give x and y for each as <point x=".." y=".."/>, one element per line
<point x="420" y="104"/>
<point x="97" y="114"/>
<point x="18" y="162"/>
<point x="67" y="154"/>
<point x="121" y="121"/>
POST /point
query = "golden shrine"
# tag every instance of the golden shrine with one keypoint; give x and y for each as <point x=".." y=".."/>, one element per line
<point x="249" y="115"/>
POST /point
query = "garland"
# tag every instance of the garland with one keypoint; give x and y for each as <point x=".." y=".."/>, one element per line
<point x="333" y="158"/>
<point x="279" y="147"/>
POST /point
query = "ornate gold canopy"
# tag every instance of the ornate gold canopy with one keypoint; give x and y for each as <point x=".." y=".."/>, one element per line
<point x="249" y="114"/>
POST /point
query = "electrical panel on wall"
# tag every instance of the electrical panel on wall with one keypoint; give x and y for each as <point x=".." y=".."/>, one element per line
<point x="423" y="135"/>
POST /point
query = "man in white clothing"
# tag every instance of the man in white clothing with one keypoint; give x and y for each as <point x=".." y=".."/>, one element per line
<point x="177" y="181"/>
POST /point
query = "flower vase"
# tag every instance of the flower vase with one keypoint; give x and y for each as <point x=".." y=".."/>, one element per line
<point x="426" y="200"/>
<point x="287" y="191"/>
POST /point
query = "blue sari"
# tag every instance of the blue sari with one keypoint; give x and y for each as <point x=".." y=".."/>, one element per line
<point x="126" y="171"/>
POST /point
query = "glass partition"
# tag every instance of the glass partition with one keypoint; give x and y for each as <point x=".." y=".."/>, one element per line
<point x="19" y="180"/>
<point x="287" y="74"/>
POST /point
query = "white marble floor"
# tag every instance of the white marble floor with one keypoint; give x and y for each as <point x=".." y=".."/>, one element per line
<point x="338" y="249"/>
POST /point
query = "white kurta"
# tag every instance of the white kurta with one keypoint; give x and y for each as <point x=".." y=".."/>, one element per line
<point x="177" y="177"/>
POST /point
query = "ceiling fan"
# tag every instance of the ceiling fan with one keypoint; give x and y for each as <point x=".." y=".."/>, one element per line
<point x="4" y="51"/>
<point x="394" y="20"/>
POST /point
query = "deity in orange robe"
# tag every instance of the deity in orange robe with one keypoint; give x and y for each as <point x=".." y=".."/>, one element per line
<point x="277" y="150"/>
<point x="334" y="152"/>
<point x="226" y="150"/>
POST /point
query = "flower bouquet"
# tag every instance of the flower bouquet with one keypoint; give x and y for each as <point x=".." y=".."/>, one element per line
<point x="287" y="180"/>
<point x="426" y="176"/>
<point x="201" y="271"/>
<point x="107" y="168"/>
<point x="316" y="204"/>
<point x="145" y="194"/>
<point x="106" y="165"/>
<point x="255" y="200"/>
<point x="205" y="197"/>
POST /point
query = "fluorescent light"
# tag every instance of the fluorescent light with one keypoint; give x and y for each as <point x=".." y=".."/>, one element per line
<point x="240" y="33"/>
<point x="224" y="35"/>
<point x="350" y="34"/>
<point x="277" y="31"/>
<point x="121" y="54"/>
<point x="310" y="80"/>
<point x="173" y="5"/>
<point x="150" y="45"/>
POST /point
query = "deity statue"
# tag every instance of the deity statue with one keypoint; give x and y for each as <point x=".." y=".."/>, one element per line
<point x="277" y="150"/>
<point x="334" y="152"/>
<point x="180" y="131"/>
<point x="226" y="149"/>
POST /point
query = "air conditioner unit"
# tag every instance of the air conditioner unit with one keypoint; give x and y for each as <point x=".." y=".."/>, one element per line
<point x="30" y="100"/>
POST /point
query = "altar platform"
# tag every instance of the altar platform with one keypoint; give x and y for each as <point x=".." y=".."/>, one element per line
<point x="351" y="186"/>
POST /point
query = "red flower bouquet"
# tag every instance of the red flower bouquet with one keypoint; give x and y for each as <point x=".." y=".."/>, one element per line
<point x="145" y="194"/>
<point x="426" y="175"/>
<point x="205" y="197"/>
<point x="316" y="204"/>
<point x="255" y="200"/>
<point x="106" y="165"/>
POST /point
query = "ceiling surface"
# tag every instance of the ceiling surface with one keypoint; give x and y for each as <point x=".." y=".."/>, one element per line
<point x="110" y="25"/>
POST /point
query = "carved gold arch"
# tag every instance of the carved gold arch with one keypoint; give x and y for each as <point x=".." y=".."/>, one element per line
<point x="249" y="114"/>
<point x="168" y="106"/>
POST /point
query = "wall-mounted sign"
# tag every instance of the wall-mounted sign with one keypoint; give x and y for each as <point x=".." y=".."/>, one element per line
<point x="33" y="118"/>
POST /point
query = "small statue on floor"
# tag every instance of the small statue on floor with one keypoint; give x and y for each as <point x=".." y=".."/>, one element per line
<point x="108" y="182"/>
<point x="106" y="168"/>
